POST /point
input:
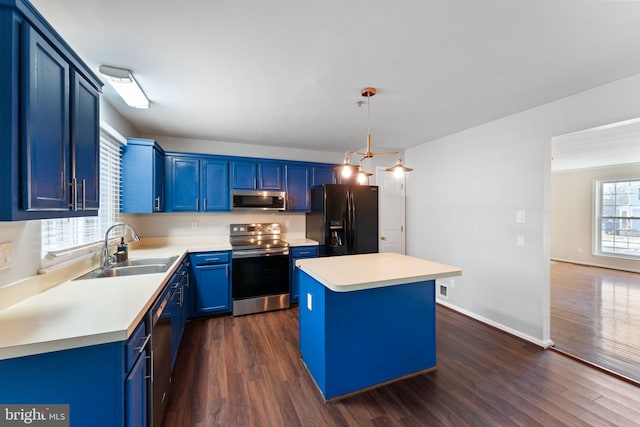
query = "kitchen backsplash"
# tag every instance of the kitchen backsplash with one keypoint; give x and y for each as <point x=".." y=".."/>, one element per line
<point x="209" y="224"/>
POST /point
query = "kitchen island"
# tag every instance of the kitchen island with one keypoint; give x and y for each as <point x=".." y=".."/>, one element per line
<point x="367" y="320"/>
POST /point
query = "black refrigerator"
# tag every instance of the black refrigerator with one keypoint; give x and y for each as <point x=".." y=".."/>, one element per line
<point x="344" y="219"/>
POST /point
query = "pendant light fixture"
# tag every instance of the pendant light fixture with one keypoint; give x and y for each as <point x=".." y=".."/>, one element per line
<point x="347" y="169"/>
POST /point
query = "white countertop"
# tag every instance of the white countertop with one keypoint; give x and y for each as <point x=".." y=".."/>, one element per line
<point x="78" y="313"/>
<point x="357" y="272"/>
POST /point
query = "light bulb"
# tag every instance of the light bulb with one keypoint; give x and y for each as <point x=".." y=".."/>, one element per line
<point x="398" y="172"/>
<point x="362" y="178"/>
<point x="346" y="171"/>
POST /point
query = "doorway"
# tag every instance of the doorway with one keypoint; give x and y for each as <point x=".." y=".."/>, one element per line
<point x="595" y="297"/>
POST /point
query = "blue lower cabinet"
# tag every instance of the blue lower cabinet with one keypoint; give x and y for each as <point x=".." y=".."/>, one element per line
<point x="105" y="385"/>
<point x="351" y="341"/>
<point x="211" y="287"/>
<point x="137" y="394"/>
<point x="297" y="253"/>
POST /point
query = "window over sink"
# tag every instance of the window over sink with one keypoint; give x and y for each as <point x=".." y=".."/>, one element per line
<point x="67" y="238"/>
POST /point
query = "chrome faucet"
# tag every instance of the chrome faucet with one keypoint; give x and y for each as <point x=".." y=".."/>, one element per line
<point x="105" y="249"/>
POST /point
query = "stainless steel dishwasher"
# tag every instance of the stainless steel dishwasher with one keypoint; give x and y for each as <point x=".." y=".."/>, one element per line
<point x="160" y="357"/>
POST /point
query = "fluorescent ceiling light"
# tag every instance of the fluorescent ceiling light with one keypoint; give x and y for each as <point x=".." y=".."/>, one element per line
<point x="127" y="87"/>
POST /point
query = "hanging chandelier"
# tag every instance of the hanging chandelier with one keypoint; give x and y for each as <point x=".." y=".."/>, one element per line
<point x="346" y="169"/>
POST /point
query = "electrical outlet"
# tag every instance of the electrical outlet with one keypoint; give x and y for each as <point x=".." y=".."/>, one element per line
<point x="452" y="283"/>
<point x="521" y="217"/>
<point x="520" y="240"/>
<point x="6" y="255"/>
<point x="194" y="225"/>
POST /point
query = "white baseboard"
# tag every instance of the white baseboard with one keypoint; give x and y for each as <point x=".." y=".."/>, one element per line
<point x="591" y="264"/>
<point x="542" y="343"/>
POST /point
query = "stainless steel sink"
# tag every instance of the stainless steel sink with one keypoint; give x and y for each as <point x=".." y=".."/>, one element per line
<point x="132" y="267"/>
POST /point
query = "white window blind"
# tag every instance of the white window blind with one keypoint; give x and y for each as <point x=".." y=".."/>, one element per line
<point x="65" y="235"/>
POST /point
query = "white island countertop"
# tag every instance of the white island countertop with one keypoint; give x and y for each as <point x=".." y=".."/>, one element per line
<point x="357" y="272"/>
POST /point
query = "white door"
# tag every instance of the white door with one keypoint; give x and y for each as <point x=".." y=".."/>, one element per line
<point x="391" y="195"/>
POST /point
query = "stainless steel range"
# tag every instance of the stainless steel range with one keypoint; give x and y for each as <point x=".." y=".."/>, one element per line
<point x="260" y="268"/>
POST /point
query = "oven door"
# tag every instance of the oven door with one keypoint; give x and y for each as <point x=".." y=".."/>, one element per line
<point x="260" y="275"/>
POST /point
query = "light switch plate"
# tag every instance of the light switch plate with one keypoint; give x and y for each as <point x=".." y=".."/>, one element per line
<point x="6" y="255"/>
<point x="520" y="240"/>
<point x="521" y="216"/>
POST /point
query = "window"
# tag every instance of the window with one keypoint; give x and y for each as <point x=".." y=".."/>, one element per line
<point x="618" y="218"/>
<point x="67" y="238"/>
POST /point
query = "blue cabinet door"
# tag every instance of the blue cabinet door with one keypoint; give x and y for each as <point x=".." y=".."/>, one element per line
<point x="323" y="175"/>
<point x="270" y="176"/>
<point x="136" y="394"/>
<point x="254" y="175"/>
<point x="212" y="289"/>
<point x="45" y="125"/>
<point x="85" y="145"/>
<point x="158" y="181"/>
<point x="297" y="187"/>
<point x="297" y="253"/>
<point x="244" y="175"/>
<point x="183" y="184"/>
<point x="142" y="177"/>
<point x="215" y="185"/>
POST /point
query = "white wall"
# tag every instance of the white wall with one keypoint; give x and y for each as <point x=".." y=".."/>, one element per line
<point x="463" y="196"/>
<point x="572" y="208"/>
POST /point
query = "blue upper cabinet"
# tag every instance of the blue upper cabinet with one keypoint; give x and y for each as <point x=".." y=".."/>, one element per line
<point x="297" y="187"/>
<point x="183" y="184"/>
<point x="197" y="183"/>
<point x="322" y="175"/>
<point x="142" y="177"/>
<point x="49" y="121"/>
<point x="256" y="175"/>
<point x="85" y="148"/>
<point x="215" y="185"/>
<point x="45" y="123"/>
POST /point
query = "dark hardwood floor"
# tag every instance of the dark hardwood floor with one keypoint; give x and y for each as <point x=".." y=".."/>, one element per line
<point x="246" y="371"/>
<point x="595" y="316"/>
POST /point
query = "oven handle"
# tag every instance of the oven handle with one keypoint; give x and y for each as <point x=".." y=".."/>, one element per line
<point x="259" y="253"/>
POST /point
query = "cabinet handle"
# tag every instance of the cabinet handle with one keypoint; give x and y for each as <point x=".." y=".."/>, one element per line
<point x="150" y="359"/>
<point x="255" y="183"/>
<point x="204" y="203"/>
<point x="144" y="344"/>
<point x="197" y="204"/>
<point x="158" y="204"/>
<point x="152" y="372"/>
<point x="74" y="194"/>
<point x="304" y="253"/>
<point x="84" y="194"/>
<point x="212" y="259"/>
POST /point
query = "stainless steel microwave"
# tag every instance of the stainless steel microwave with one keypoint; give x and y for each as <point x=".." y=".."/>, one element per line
<point x="259" y="200"/>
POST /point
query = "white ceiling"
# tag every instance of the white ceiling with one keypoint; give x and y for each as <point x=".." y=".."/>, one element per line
<point x="614" y="144"/>
<point x="289" y="72"/>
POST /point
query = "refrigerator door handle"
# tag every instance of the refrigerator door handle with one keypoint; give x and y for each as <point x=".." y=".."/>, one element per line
<point x="347" y="223"/>
<point x="353" y="221"/>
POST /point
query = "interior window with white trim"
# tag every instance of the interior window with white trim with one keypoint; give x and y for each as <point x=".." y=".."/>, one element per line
<point x="68" y="238"/>
<point x="617" y="225"/>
